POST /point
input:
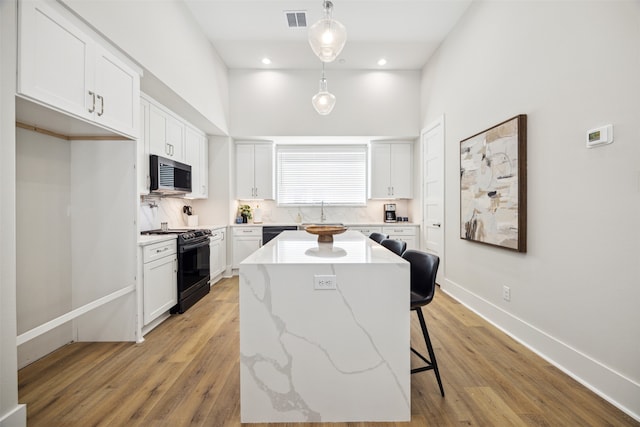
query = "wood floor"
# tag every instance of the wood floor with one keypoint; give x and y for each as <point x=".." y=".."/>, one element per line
<point x="186" y="373"/>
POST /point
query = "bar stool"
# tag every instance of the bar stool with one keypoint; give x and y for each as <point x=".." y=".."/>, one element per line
<point x="378" y="237"/>
<point x="396" y="246"/>
<point x="423" y="269"/>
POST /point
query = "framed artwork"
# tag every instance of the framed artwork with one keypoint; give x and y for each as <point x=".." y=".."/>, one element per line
<point x="493" y="185"/>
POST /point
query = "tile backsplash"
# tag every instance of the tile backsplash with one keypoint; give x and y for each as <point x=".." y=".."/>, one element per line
<point x="372" y="213"/>
<point x="154" y="210"/>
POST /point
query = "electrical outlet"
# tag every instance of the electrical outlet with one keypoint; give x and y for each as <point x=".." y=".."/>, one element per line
<point x="324" y="281"/>
<point x="506" y="293"/>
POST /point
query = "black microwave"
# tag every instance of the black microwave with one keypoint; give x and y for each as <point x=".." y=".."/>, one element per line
<point x="168" y="176"/>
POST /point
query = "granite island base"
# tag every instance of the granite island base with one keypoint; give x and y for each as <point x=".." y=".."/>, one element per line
<point x="311" y="355"/>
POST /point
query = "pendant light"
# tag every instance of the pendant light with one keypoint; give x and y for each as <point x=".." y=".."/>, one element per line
<point x="323" y="101"/>
<point x="327" y="36"/>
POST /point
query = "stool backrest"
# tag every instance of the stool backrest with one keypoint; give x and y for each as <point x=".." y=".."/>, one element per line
<point x="396" y="246"/>
<point x="424" y="268"/>
<point x="378" y="237"/>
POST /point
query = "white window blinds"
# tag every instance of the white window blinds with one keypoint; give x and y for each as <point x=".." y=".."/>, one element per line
<point x="311" y="174"/>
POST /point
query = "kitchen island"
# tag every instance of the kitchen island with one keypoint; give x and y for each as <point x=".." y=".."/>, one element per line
<point x="324" y="331"/>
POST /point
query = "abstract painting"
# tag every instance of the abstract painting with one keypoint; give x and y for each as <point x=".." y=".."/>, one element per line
<point x="493" y="185"/>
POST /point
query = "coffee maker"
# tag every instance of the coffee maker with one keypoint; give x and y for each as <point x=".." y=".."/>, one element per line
<point x="390" y="212"/>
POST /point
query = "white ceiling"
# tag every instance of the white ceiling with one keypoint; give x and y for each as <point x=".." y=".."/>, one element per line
<point x="404" y="32"/>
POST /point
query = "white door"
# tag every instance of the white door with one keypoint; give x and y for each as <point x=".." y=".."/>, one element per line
<point x="432" y="138"/>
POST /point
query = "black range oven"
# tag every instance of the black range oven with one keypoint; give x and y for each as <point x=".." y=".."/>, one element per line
<point x="193" y="266"/>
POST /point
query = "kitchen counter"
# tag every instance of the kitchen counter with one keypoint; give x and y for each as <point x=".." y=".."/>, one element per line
<point x="361" y="224"/>
<point x="312" y="355"/>
<point x="144" y="240"/>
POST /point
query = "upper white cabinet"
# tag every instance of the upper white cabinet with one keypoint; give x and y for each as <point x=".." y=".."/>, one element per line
<point x="254" y="171"/>
<point x="62" y="65"/>
<point x="166" y="134"/>
<point x="197" y="155"/>
<point x="144" y="180"/>
<point x="391" y="170"/>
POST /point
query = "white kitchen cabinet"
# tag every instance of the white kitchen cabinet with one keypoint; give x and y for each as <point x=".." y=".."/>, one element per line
<point x="254" y="171"/>
<point x="166" y="134"/>
<point x="142" y="165"/>
<point x="218" y="246"/>
<point x="408" y="234"/>
<point x="160" y="287"/>
<point x="366" y="230"/>
<point x="246" y="240"/>
<point x="391" y="170"/>
<point x="65" y="66"/>
<point x="196" y="155"/>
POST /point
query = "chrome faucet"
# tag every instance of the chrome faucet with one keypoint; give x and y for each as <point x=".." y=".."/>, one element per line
<point x="322" y="216"/>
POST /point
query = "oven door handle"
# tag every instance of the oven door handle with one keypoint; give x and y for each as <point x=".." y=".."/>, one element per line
<point x="185" y="248"/>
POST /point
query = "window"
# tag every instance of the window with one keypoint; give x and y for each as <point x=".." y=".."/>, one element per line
<point x="312" y="174"/>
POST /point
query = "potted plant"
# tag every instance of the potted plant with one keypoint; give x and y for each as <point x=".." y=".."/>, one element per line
<point x="245" y="212"/>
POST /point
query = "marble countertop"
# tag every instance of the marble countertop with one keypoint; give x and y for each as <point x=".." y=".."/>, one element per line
<point x="144" y="240"/>
<point x="347" y="224"/>
<point x="300" y="247"/>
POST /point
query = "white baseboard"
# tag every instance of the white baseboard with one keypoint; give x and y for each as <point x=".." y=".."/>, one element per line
<point x="16" y="418"/>
<point x="612" y="386"/>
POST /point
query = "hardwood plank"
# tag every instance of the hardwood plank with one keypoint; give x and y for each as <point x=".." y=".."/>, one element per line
<point x="187" y="373"/>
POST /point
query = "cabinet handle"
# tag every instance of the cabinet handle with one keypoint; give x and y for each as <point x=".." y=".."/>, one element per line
<point x="161" y="250"/>
<point x="101" y="105"/>
<point x="93" y="106"/>
<point x="437" y="225"/>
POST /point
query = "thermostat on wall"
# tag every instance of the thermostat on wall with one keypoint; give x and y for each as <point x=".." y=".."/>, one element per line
<point x="600" y="136"/>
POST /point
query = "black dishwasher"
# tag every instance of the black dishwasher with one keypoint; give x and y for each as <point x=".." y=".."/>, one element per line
<point x="271" y="231"/>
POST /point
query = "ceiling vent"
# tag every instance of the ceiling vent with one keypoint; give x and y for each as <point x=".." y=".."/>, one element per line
<point x="296" y="18"/>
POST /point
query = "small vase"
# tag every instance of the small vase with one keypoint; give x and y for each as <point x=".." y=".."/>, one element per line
<point x="244" y="219"/>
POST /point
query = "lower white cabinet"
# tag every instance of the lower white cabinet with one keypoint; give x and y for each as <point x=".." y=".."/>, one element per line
<point x="246" y="240"/>
<point x="366" y="230"/>
<point x="218" y="246"/>
<point x="160" y="286"/>
<point x="406" y="234"/>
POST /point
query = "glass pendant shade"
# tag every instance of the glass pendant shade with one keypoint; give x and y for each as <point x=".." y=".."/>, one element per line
<point x="323" y="101"/>
<point x="327" y="37"/>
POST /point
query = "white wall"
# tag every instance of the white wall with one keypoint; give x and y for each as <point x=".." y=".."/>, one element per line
<point x="43" y="198"/>
<point x="11" y="414"/>
<point x="369" y="103"/>
<point x="182" y="69"/>
<point x="570" y="66"/>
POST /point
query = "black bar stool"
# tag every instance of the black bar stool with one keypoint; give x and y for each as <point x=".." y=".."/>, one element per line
<point x="424" y="267"/>
<point x="378" y="237"/>
<point x="396" y="246"/>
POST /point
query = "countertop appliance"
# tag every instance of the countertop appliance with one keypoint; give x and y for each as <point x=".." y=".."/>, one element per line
<point x="390" y="212"/>
<point x="194" y="270"/>
<point x="269" y="232"/>
<point x="168" y="176"/>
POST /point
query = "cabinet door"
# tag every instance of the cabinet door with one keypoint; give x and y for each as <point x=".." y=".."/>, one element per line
<point x="54" y="57"/>
<point x="175" y="138"/>
<point x="380" y="171"/>
<point x="243" y="247"/>
<point x="158" y="132"/>
<point x="263" y="171"/>
<point x="244" y="171"/>
<point x="160" y="285"/>
<point x="143" y="149"/>
<point x="196" y="155"/>
<point x="117" y="89"/>
<point x="401" y="177"/>
<point x="193" y="158"/>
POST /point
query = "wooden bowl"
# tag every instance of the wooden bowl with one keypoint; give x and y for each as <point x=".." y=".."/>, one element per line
<point x="325" y="232"/>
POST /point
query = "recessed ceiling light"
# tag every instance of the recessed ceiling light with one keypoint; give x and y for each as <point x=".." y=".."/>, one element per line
<point x="266" y="61"/>
<point x="382" y="61"/>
